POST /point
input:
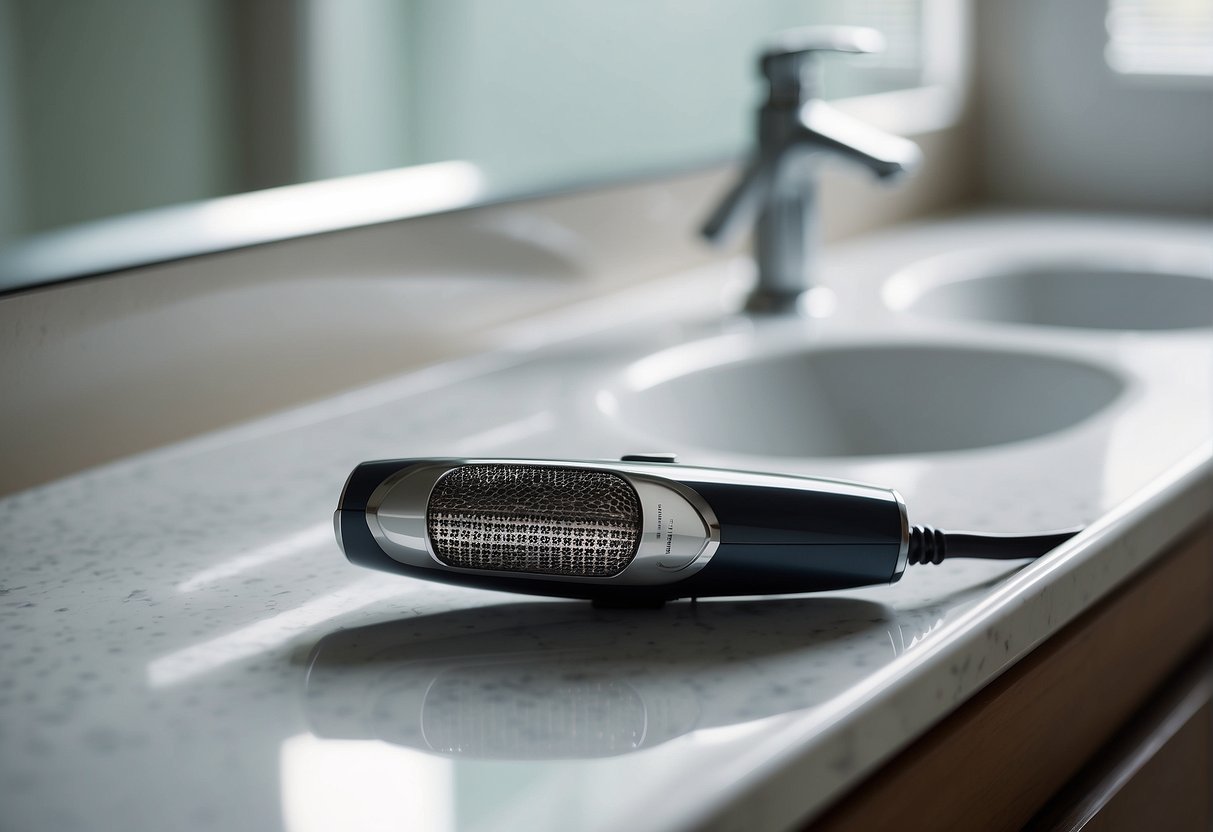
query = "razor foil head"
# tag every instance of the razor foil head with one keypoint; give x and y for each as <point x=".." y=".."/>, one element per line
<point x="537" y="519"/>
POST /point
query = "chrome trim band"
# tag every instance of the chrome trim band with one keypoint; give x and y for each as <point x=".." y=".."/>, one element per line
<point x="337" y="529"/>
<point x="399" y="526"/>
<point x="903" y="552"/>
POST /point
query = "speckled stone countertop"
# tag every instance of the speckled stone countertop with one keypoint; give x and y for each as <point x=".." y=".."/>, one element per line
<point x="182" y="645"/>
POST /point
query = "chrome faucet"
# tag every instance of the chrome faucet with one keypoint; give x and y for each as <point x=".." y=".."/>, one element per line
<point x="795" y="130"/>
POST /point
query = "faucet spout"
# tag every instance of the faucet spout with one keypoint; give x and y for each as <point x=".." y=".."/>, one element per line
<point x="826" y="128"/>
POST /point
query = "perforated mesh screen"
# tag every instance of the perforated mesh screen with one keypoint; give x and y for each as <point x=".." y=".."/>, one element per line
<point x="524" y="518"/>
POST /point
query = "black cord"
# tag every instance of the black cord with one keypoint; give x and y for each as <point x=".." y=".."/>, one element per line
<point x="929" y="545"/>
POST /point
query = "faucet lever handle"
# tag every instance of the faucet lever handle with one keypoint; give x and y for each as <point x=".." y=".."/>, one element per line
<point x="787" y="60"/>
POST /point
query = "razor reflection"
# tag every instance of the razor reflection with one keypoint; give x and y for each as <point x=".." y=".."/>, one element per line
<point x="558" y="681"/>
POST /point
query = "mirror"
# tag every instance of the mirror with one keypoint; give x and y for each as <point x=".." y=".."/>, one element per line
<point x="116" y="106"/>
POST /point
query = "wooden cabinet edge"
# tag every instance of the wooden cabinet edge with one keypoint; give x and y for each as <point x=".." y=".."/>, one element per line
<point x="1156" y="744"/>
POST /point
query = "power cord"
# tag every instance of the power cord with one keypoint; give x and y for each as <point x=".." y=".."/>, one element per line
<point x="928" y="545"/>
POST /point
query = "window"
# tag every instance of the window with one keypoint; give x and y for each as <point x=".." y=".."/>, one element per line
<point x="1160" y="37"/>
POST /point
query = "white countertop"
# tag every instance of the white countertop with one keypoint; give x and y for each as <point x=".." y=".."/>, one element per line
<point x="184" y="646"/>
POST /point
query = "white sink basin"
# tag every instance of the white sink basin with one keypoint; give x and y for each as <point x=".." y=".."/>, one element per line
<point x="1066" y="292"/>
<point x="856" y="401"/>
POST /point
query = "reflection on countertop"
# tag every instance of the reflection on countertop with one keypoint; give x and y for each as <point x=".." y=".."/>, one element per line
<point x="563" y="680"/>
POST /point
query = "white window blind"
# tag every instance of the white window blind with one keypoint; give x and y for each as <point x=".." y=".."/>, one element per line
<point x="1161" y="37"/>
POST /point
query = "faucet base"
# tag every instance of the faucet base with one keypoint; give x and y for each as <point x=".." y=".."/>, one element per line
<point x="817" y="302"/>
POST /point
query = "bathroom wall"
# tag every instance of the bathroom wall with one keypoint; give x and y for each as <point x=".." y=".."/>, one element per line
<point x="11" y="221"/>
<point x="116" y="106"/>
<point x="566" y="91"/>
<point x="83" y="150"/>
<point x="1059" y="127"/>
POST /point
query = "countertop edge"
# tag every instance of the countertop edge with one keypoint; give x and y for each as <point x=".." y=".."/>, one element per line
<point x="816" y="760"/>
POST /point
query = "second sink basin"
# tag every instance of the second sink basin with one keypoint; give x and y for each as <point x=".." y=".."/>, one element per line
<point x="1075" y="292"/>
<point x="856" y="401"/>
